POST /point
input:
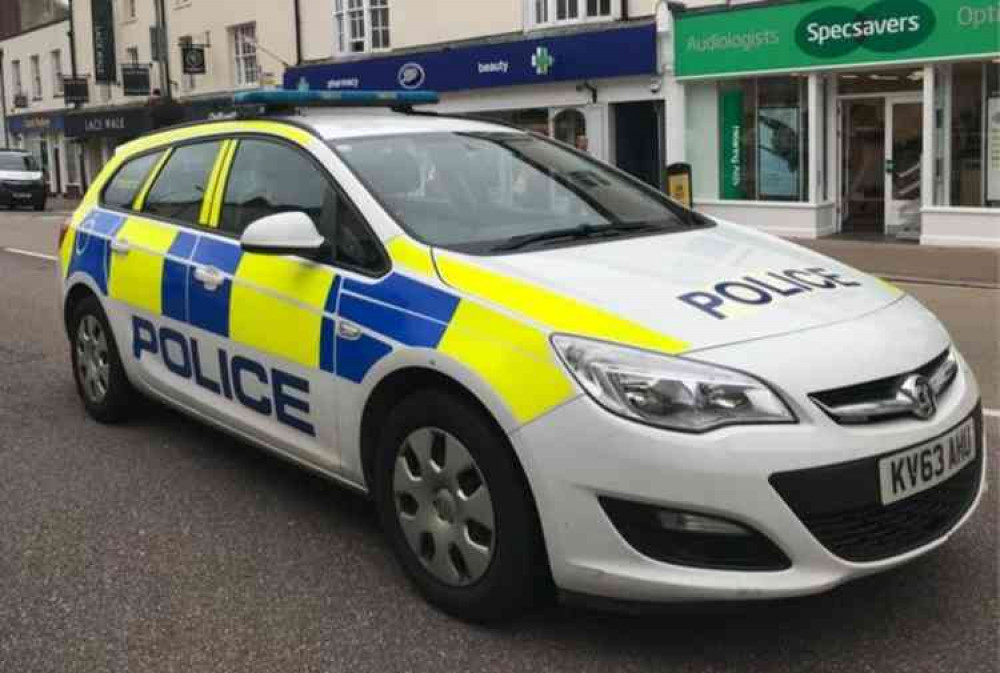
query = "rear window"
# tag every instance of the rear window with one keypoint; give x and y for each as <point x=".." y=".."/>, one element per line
<point x="123" y="188"/>
<point x="11" y="161"/>
<point x="180" y="187"/>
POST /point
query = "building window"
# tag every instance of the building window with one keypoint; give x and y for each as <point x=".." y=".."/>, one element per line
<point x="763" y="139"/>
<point x="36" y="77"/>
<point x="362" y="25"/>
<point x="563" y="11"/>
<point x="132" y="55"/>
<point x="969" y="142"/>
<point x="57" y="72"/>
<point x="129" y="13"/>
<point x="18" y="86"/>
<point x="245" y="64"/>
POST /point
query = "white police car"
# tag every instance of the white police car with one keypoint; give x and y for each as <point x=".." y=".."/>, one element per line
<point x="542" y="370"/>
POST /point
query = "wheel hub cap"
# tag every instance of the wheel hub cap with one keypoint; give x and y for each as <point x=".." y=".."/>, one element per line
<point x="92" y="362"/>
<point x="444" y="507"/>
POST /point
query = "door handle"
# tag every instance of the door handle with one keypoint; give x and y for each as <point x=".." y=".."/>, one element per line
<point x="348" y="331"/>
<point x="120" y="246"/>
<point x="209" y="276"/>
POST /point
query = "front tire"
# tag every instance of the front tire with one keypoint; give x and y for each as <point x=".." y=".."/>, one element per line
<point x="456" y="509"/>
<point x="97" y="367"/>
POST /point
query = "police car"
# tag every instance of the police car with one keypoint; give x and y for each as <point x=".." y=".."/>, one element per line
<point x="546" y="374"/>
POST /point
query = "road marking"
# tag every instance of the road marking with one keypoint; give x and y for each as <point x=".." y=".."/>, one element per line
<point x="29" y="253"/>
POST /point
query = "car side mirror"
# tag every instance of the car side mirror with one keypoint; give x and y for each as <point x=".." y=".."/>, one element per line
<point x="291" y="233"/>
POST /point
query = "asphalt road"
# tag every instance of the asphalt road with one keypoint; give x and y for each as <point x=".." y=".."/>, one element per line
<point x="165" y="546"/>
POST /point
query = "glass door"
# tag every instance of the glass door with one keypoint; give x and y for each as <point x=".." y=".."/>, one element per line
<point x="903" y="166"/>
<point x="863" y="183"/>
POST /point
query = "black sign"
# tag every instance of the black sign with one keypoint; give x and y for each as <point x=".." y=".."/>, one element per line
<point x="105" y="64"/>
<point x="20" y="100"/>
<point x="123" y="122"/>
<point x="135" y="80"/>
<point x="194" y="60"/>
<point x="157" y="45"/>
<point x="75" y="90"/>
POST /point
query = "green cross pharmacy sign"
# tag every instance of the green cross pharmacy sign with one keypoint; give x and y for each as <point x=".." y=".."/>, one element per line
<point x="542" y="61"/>
<point x="816" y="34"/>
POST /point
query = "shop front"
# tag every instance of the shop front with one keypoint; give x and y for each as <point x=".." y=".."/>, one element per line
<point x="591" y="86"/>
<point x="95" y="134"/>
<point x="873" y="119"/>
<point x="42" y="135"/>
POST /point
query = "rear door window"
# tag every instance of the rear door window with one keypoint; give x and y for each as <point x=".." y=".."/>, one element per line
<point x="123" y="188"/>
<point x="180" y="188"/>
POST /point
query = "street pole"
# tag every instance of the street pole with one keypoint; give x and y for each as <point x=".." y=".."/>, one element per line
<point x="164" y="48"/>
<point x="3" y="100"/>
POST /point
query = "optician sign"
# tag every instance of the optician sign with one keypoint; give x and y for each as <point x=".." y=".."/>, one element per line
<point x="578" y="56"/>
<point x="808" y="35"/>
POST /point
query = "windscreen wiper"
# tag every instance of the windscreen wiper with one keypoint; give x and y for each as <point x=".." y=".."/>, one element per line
<point x="581" y="231"/>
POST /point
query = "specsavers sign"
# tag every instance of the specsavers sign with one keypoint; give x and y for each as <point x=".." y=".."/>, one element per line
<point x="813" y="34"/>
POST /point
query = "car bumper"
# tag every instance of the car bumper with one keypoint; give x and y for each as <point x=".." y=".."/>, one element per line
<point x="580" y="453"/>
<point x="22" y="195"/>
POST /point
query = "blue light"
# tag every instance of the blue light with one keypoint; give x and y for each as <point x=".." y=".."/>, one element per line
<point x="285" y="98"/>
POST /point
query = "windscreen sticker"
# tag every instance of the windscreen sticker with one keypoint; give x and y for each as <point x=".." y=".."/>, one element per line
<point x="728" y="298"/>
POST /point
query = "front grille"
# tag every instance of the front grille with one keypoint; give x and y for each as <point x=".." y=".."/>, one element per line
<point x="878" y="391"/>
<point x="841" y="507"/>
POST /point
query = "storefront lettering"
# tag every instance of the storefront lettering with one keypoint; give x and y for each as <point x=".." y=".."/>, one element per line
<point x="977" y="17"/>
<point x="494" y="67"/>
<point x="886" y="26"/>
<point x="734" y="41"/>
<point x="105" y="124"/>
<point x="343" y="83"/>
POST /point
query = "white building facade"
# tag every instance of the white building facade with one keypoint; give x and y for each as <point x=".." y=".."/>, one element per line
<point x="868" y="118"/>
<point x="243" y="45"/>
<point x="34" y="63"/>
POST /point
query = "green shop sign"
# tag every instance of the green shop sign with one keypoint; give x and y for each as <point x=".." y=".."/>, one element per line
<point x="813" y="34"/>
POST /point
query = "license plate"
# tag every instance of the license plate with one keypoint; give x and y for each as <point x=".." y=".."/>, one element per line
<point x="915" y="470"/>
<point x="22" y="195"/>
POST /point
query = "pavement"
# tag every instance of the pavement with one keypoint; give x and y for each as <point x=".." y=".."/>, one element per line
<point x="977" y="267"/>
<point x="162" y="545"/>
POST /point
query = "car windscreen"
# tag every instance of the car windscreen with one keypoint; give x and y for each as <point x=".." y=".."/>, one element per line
<point x="491" y="192"/>
<point x="17" y="162"/>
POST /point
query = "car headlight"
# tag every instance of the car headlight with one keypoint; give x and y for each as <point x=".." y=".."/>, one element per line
<point x="668" y="392"/>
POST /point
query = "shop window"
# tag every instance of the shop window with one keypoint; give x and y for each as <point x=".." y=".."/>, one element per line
<point x="763" y="139"/>
<point x="535" y="120"/>
<point x="971" y="152"/>
<point x="361" y="25"/>
<point x="571" y="128"/>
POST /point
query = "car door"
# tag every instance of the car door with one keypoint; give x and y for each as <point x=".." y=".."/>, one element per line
<point x="274" y="316"/>
<point x="151" y="257"/>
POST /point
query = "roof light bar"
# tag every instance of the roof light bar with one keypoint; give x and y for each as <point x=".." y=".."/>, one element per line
<point x="292" y="99"/>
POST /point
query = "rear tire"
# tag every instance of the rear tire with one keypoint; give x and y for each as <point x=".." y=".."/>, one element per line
<point x="457" y="511"/>
<point x="97" y="367"/>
